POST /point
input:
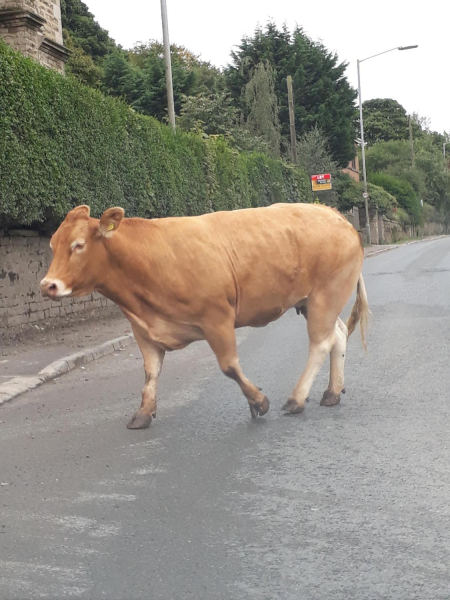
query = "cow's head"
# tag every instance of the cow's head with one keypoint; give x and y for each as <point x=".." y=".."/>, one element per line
<point x="79" y="253"/>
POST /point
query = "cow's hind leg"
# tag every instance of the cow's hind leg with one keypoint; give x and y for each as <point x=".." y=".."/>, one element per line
<point x="153" y="359"/>
<point x="223" y="344"/>
<point x="332" y="395"/>
<point x="321" y="321"/>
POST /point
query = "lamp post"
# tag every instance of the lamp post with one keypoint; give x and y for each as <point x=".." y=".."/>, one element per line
<point x="443" y="145"/>
<point x="168" y="64"/>
<point x="363" y="152"/>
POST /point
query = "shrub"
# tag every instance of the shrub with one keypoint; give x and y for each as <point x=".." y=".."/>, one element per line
<point x="403" y="192"/>
<point x="63" y="144"/>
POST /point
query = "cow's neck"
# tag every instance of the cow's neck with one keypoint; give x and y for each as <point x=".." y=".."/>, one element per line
<point x="129" y="277"/>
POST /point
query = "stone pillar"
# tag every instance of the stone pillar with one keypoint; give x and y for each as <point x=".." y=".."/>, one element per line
<point x="353" y="216"/>
<point x="381" y="236"/>
<point x="374" y="236"/>
<point x="34" y="28"/>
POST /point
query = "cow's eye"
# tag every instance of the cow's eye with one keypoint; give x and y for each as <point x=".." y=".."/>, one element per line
<point x="78" y="245"/>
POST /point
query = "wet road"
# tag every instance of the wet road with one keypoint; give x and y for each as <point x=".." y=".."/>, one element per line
<point x="351" y="502"/>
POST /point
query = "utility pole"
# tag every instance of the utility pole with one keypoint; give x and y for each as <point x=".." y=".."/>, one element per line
<point x="446" y="164"/>
<point x="363" y="156"/>
<point x="411" y="141"/>
<point x="168" y="64"/>
<point x="292" y="120"/>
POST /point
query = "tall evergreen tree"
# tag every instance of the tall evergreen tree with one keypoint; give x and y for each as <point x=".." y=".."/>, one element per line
<point x="385" y="120"/>
<point x="323" y="95"/>
<point x="262" y="107"/>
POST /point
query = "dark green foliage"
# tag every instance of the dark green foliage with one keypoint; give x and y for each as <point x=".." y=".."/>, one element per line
<point x="350" y="194"/>
<point x="403" y="191"/>
<point x="428" y="177"/>
<point x="63" y="144"/>
<point x="215" y="114"/>
<point x="138" y="77"/>
<point x="89" y="44"/>
<point x="392" y="155"/>
<point x="384" y="120"/>
<point x="323" y="95"/>
<point x="86" y="32"/>
<point x="314" y="157"/>
<point x="124" y="80"/>
<point x="80" y="65"/>
<point x="155" y="101"/>
<point x="262" y="107"/>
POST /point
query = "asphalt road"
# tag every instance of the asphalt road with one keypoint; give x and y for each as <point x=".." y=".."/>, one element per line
<point x="351" y="502"/>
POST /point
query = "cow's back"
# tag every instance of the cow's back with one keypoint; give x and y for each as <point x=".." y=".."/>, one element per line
<point x="261" y="261"/>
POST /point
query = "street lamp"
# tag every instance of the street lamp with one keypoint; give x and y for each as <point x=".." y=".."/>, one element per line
<point x="168" y="64"/>
<point x="444" y="144"/>
<point x="363" y="152"/>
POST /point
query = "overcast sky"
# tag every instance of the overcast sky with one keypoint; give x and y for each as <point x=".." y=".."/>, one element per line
<point x="418" y="79"/>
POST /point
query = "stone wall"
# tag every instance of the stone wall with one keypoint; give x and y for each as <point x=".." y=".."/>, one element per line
<point x="51" y="11"/>
<point x="392" y="232"/>
<point x="24" y="260"/>
<point x="34" y="28"/>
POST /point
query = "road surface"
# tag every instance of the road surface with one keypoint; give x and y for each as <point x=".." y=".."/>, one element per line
<point x="351" y="502"/>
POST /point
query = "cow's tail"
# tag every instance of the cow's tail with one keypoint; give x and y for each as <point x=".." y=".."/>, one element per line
<point x="360" y="312"/>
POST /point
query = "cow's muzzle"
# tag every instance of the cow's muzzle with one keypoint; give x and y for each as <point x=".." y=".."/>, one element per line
<point x="54" y="289"/>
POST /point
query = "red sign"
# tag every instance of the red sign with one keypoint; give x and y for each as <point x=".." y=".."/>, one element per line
<point x="325" y="176"/>
<point x="321" y="182"/>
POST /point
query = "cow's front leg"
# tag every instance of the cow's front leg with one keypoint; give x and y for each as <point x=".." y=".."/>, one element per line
<point x="153" y="359"/>
<point x="223" y="343"/>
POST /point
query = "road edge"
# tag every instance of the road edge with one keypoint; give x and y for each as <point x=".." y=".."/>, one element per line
<point x="397" y="246"/>
<point x="20" y="385"/>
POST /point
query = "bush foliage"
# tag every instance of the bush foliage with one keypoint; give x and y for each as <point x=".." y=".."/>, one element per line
<point x="63" y="144"/>
<point x="403" y="191"/>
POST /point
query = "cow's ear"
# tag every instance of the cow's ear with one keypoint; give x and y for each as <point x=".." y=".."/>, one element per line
<point x="110" y="221"/>
<point x="80" y="211"/>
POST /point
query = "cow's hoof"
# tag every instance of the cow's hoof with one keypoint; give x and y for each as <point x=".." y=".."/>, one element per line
<point x="140" y="420"/>
<point x="292" y="407"/>
<point x="260" y="410"/>
<point x="330" y="399"/>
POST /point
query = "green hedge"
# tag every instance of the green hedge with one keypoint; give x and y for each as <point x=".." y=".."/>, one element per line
<point x="63" y="144"/>
<point x="403" y="191"/>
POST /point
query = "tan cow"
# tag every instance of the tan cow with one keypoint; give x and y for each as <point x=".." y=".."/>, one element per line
<point x="184" y="279"/>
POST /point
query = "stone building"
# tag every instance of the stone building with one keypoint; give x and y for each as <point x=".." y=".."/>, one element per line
<point x="352" y="168"/>
<point x="34" y="28"/>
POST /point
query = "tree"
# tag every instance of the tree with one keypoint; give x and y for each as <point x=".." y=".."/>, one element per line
<point x="124" y="80"/>
<point x="155" y="101"/>
<point x="207" y="77"/>
<point x="323" y="95"/>
<point x="430" y="161"/>
<point x="385" y="120"/>
<point x="262" y="107"/>
<point x="190" y="76"/>
<point x="213" y="114"/>
<point x="85" y="31"/>
<point x="389" y="156"/>
<point x="216" y="115"/>
<point x="314" y="157"/>
<point x="428" y="177"/>
<point x="402" y="191"/>
<point x="80" y="65"/>
<point x="350" y="191"/>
